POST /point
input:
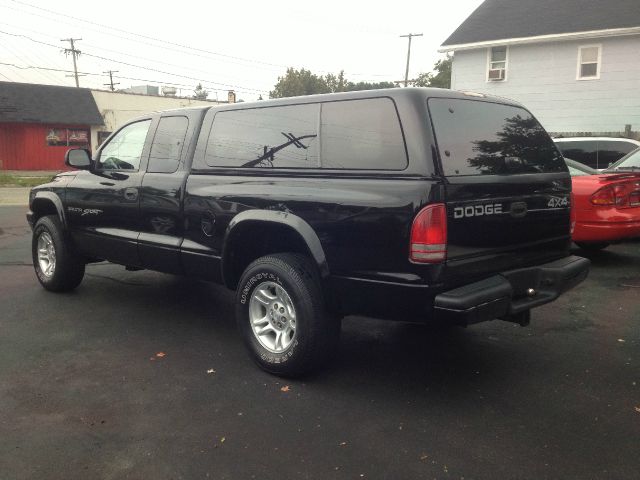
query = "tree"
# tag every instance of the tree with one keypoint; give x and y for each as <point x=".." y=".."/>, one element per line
<point x="351" y="87"/>
<point x="298" y="82"/>
<point x="303" y="82"/>
<point x="200" y="93"/>
<point x="521" y="146"/>
<point x="440" y="77"/>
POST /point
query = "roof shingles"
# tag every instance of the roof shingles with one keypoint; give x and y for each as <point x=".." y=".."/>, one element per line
<point x="32" y="103"/>
<point x="505" y="19"/>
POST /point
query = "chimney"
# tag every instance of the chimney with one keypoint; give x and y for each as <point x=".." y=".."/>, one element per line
<point x="232" y="96"/>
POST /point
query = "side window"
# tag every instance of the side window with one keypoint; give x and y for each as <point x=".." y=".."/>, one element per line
<point x="362" y="134"/>
<point x="497" y="71"/>
<point x="589" y="60"/>
<point x="270" y="137"/>
<point x="167" y="145"/>
<point x="124" y="150"/>
<point x="584" y="152"/>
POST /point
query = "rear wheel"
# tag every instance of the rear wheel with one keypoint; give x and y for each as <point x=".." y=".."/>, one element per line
<point x="57" y="266"/>
<point x="592" y="246"/>
<point x="281" y="315"/>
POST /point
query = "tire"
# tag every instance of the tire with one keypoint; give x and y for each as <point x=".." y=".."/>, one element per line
<point x="57" y="266"/>
<point x="592" y="247"/>
<point x="281" y="315"/>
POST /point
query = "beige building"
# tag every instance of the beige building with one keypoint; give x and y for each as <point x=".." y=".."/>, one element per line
<point x="116" y="108"/>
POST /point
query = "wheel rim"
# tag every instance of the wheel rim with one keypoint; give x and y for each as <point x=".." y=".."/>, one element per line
<point x="46" y="254"/>
<point x="272" y="317"/>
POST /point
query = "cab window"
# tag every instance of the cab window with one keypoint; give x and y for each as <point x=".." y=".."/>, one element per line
<point x="124" y="150"/>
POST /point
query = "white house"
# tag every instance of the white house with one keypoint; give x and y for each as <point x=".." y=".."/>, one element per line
<point x="574" y="63"/>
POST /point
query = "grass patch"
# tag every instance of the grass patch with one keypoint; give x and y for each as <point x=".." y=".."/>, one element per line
<point x="14" y="181"/>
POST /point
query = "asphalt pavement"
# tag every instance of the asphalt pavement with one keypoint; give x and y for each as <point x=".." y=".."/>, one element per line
<point x="141" y="375"/>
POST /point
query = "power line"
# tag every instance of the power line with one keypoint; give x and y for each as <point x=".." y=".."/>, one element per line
<point x="166" y="42"/>
<point x="172" y="84"/>
<point x="236" y="87"/>
<point x="182" y="67"/>
<point x="26" y="59"/>
<point x="253" y="62"/>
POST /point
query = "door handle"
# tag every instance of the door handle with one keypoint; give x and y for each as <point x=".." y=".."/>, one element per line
<point x="107" y="184"/>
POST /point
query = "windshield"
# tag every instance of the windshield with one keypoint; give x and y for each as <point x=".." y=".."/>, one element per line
<point x="630" y="161"/>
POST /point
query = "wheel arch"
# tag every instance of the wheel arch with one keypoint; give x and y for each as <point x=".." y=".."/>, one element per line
<point x="254" y="233"/>
<point x="48" y="203"/>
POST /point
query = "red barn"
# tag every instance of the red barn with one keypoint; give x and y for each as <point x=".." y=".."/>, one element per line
<point x="39" y="123"/>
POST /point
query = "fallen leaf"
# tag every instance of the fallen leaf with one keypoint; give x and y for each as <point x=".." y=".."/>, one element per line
<point x="424" y="456"/>
<point x="222" y="439"/>
<point x="621" y="340"/>
<point x="211" y="370"/>
<point x="160" y="354"/>
<point x="342" y="444"/>
<point x="152" y="359"/>
<point x="637" y="409"/>
<point x="286" y="388"/>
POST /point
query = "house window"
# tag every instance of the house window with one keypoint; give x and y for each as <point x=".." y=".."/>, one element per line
<point x="497" y="70"/>
<point x="589" y="62"/>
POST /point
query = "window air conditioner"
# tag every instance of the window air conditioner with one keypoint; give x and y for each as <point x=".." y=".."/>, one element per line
<point x="496" y="74"/>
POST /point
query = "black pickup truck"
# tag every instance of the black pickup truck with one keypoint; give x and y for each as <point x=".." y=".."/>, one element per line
<point x="410" y="204"/>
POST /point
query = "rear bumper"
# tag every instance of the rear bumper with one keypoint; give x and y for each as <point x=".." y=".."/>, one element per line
<point x="510" y="294"/>
<point x="605" y="231"/>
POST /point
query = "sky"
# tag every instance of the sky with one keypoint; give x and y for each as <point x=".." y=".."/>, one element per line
<point x="241" y="45"/>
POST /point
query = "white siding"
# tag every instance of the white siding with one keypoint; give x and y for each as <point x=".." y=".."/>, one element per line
<point x="543" y="78"/>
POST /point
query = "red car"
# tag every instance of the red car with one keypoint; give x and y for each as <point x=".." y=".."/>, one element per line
<point x="606" y="205"/>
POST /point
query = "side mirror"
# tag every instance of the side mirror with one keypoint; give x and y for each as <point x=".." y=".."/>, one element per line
<point x="78" y="158"/>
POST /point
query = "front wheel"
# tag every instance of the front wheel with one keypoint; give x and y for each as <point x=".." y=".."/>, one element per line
<point x="281" y="315"/>
<point x="57" y="266"/>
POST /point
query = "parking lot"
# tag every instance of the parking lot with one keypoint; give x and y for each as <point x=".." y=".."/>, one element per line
<point x="143" y="375"/>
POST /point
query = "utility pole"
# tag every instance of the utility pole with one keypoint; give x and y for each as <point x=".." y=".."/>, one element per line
<point x="111" y="84"/>
<point x="74" y="53"/>
<point x="406" y="73"/>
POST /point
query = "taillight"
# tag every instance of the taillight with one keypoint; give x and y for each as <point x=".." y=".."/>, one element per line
<point x="429" y="235"/>
<point x="620" y="191"/>
<point x="621" y="195"/>
<point x="604" y="196"/>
